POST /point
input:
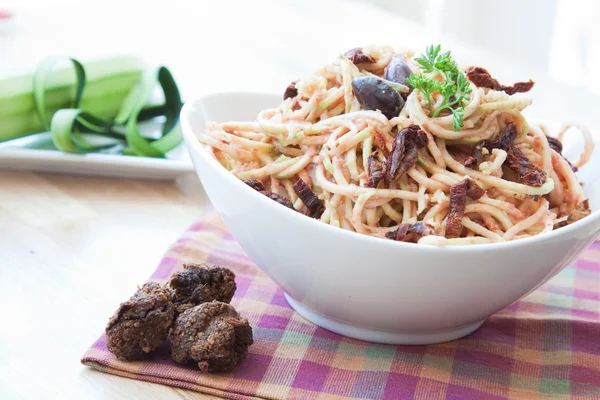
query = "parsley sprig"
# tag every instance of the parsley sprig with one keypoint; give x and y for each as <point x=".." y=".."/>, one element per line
<point x="454" y="88"/>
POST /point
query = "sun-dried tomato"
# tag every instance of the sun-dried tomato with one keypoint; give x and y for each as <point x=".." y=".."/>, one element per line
<point x="357" y="56"/>
<point x="410" y="232"/>
<point x="278" y="198"/>
<point x="526" y="171"/>
<point x="377" y="170"/>
<point x="458" y="202"/>
<point x="404" y="152"/>
<point x="482" y="78"/>
<point x="254" y="184"/>
<point x="309" y="198"/>
<point x="290" y="91"/>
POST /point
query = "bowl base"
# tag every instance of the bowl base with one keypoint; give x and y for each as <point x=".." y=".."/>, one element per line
<point x="377" y="336"/>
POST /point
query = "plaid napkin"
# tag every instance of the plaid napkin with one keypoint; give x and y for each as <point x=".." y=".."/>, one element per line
<point x="546" y="346"/>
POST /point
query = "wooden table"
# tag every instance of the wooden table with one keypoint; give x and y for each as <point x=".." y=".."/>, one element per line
<point x="72" y="249"/>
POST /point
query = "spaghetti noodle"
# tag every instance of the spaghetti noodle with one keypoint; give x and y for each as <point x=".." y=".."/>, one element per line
<point x="323" y="135"/>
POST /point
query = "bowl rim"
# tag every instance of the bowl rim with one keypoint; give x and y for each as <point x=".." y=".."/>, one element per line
<point x="194" y="145"/>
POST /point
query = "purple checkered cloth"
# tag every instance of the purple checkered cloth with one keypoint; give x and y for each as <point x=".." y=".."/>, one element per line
<point x="546" y="346"/>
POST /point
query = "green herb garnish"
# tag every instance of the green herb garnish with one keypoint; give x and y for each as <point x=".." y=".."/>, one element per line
<point x="454" y="88"/>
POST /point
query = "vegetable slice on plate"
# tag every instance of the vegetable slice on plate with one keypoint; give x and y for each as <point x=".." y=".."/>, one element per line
<point x="103" y="113"/>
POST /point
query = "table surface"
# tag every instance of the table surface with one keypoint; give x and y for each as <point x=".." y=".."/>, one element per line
<point x="73" y="247"/>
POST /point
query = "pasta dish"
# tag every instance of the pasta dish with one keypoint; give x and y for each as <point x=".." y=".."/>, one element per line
<point x="408" y="147"/>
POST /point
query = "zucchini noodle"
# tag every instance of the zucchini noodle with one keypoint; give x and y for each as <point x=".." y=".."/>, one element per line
<point x="323" y="136"/>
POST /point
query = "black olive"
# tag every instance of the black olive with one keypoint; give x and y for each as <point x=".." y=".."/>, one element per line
<point x="398" y="71"/>
<point x="375" y="94"/>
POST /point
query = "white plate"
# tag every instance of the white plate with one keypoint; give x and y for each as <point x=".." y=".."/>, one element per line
<point x="37" y="153"/>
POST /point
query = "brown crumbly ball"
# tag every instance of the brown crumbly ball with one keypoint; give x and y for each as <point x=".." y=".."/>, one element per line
<point x="212" y="335"/>
<point x="141" y="324"/>
<point x="199" y="283"/>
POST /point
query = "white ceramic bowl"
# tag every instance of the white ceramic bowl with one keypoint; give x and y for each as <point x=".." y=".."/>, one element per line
<point x="370" y="288"/>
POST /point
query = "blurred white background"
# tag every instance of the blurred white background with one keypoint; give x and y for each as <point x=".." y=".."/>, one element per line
<point x="261" y="45"/>
<point x="560" y="37"/>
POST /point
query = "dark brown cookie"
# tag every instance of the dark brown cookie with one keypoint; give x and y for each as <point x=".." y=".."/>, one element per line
<point x="199" y="283"/>
<point x="213" y="335"/>
<point x="141" y="324"/>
